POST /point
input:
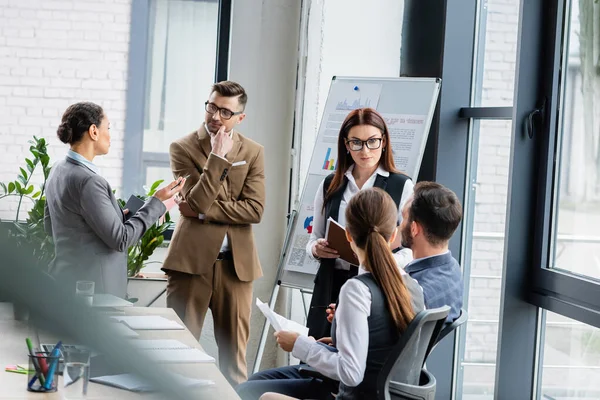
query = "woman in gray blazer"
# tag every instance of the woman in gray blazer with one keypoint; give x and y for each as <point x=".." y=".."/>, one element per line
<point x="90" y="232"/>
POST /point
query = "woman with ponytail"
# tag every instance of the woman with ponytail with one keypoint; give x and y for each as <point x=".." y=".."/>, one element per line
<point x="374" y="309"/>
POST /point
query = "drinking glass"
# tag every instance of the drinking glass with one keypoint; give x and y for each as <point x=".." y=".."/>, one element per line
<point x="85" y="290"/>
<point x="76" y="373"/>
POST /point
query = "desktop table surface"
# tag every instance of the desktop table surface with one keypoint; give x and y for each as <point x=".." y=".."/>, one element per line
<point x="14" y="351"/>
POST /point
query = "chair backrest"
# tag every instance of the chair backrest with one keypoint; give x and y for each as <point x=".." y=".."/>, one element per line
<point x="406" y="359"/>
<point x="445" y="331"/>
<point x="462" y="318"/>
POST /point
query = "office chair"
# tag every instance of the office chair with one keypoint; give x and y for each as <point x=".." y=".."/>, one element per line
<point x="402" y="375"/>
<point x="446" y="330"/>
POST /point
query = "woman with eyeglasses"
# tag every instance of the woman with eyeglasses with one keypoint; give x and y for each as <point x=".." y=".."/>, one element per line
<point x="364" y="161"/>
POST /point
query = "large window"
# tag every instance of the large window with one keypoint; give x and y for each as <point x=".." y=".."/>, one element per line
<point x="576" y="236"/>
<point x="186" y="46"/>
<point x="487" y="183"/>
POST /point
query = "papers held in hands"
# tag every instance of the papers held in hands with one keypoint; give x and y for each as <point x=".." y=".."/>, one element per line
<point x="280" y="323"/>
<point x="335" y="234"/>
<point x="133" y="205"/>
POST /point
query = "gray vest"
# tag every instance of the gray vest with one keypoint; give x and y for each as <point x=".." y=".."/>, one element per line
<point x="383" y="336"/>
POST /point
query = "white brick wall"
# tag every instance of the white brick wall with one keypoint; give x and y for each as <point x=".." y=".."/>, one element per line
<point x="54" y="53"/>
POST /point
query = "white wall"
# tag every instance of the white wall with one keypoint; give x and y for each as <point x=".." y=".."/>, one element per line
<point x="264" y="45"/>
<point x="52" y="54"/>
<point x="346" y="38"/>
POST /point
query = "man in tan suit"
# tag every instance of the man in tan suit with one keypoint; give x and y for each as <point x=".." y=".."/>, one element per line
<point x="212" y="259"/>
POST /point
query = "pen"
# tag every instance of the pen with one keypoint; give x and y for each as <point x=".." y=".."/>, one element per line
<point x="185" y="177"/>
<point x="325" y="307"/>
<point x="34" y="360"/>
<point x="54" y="355"/>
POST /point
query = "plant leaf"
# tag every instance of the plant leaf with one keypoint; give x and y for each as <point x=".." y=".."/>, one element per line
<point x="24" y="173"/>
<point x="30" y="165"/>
<point x="11" y="187"/>
<point x="36" y="194"/>
<point x="30" y="189"/>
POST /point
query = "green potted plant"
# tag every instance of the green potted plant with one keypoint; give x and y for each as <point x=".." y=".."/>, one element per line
<point x="30" y="232"/>
<point x="138" y="254"/>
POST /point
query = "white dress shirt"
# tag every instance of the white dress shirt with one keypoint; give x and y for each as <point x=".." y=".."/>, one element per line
<point x="225" y="244"/>
<point x="352" y="338"/>
<point x="319" y="221"/>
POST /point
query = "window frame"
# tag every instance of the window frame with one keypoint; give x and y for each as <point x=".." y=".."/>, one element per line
<point x="136" y="161"/>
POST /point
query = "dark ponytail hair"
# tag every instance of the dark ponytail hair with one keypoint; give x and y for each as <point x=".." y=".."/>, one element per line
<point x="77" y="120"/>
<point x="371" y="218"/>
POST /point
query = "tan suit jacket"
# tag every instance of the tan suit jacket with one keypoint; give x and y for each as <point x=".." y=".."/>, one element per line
<point x="231" y="197"/>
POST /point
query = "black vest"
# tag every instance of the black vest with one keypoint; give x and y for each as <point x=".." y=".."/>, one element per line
<point x="323" y="292"/>
<point x="383" y="336"/>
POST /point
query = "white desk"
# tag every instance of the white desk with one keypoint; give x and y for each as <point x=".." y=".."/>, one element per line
<point x="14" y="351"/>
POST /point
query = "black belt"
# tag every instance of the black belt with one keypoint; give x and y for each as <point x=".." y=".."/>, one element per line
<point x="225" y="255"/>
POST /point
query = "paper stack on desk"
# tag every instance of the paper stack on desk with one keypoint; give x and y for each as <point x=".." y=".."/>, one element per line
<point x="148" y="322"/>
<point x="278" y="322"/>
<point x="171" y="351"/>
<point x="136" y="384"/>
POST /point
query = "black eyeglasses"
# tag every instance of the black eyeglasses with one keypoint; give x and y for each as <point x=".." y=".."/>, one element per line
<point x="224" y="112"/>
<point x="357" y="144"/>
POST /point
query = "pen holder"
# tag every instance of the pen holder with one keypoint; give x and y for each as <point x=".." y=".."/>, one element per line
<point x="43" y="373"/>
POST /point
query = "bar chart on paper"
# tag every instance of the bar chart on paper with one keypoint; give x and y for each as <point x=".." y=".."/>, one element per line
<point x="330" y="162"/>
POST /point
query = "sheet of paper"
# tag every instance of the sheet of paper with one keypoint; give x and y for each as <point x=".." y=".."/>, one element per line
<point x="124" y="331"/>
<point x="158" y="344"/>
<point x="191" y="355"/>
<point x="136" y="384"/>
<point x="278" y="322"/>
<point x="148" y="322"/>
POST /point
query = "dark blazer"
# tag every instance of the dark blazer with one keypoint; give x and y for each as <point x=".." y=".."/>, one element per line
<point x="91" y="236"/>
<point x="441" y="280"/>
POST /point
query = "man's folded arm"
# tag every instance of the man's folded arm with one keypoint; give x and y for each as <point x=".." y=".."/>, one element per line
<point x="201" y="189"/>
<point x="249" y="208"/>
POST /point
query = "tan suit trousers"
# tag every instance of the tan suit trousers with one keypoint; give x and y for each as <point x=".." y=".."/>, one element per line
<point x="230" y="301"/>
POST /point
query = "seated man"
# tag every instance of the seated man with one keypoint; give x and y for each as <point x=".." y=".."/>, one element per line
<point x="429" y="218"/>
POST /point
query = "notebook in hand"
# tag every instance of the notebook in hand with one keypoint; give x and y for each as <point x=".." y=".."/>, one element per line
<point x="133" y="205"/>
<point x="336" y="237"/>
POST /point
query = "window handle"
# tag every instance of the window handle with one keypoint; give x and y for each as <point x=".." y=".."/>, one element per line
<point x="535" y="118"/>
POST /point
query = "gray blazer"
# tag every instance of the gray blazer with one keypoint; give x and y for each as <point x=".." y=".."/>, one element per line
<point x="91" y="236"/>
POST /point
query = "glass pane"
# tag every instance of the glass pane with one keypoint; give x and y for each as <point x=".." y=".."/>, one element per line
<point x="477" y="379"/>
<point x="576" y="238"/>
<point x="497" y="53"/>
<point x="181" y="69"/>
<point x="571" y="360"/>
<point x="485" y="254"/>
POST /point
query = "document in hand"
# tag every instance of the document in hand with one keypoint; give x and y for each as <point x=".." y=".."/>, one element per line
<point x="278" y="322"/>
<point x="335" y="234"/>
